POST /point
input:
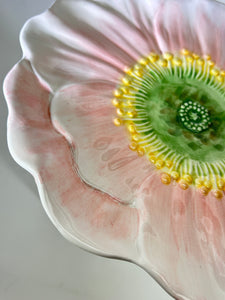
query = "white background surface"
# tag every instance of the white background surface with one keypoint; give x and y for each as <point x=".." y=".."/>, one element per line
<point x="36" y="262"/>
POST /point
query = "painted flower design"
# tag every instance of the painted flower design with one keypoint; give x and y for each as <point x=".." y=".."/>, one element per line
<point x="118" y="110"/>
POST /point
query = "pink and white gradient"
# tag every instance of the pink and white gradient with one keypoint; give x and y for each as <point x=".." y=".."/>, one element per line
<point x="97" y="192"/>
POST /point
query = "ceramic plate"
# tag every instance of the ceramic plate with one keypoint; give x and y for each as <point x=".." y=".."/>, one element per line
<point x="117" y="109"/>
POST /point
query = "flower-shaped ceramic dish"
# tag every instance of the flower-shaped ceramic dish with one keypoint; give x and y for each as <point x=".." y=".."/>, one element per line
<point x="117" y="109"/>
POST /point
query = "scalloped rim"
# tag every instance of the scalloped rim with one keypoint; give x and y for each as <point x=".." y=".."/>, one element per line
<point x="159" y="278"/>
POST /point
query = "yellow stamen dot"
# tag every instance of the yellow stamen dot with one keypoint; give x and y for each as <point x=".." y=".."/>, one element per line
<point x="141" y="151"/>
<point x="200" y="61"/>
<point x="131" y="128"/>
<point x="175" y="175"/>
<point x="128" y="70"/>
<point x="208" y="184"/>
<point x="131" y="113"/>
<point x="119" y="112"/>
<point x="159" y="164"/>
<point x="218" y="194"/>
<point x="125" y="90"/>
<point x="214" y="72"/>
<point x="199" y="182"/>
<point x="222" y="73"/>
<point x="126" y="81"/>
<point x="177" y="61"/>
<point x="220" y="184"/>
<point x="163" y="62"/>
<point x="138" y="67"/>
<point x="204" y="190"/>
<point x="115" y="102"/>
<point x="133" y="146"/>
<point x="168" y="56"/>
<point x="169" y="163"/>
<point x="190" y="59"/>
<point x="144" y="61"/>
<point x="211" y="63"/>
<point x="185" y="52"/>
<point x="195" y="56"/>
<point x="220" y="78"/>
<point x="118" y="93"/>
<point x="165" y="178"/>
<point x="135" y="137"/>
<point x="139" y="73"/>
<point x="117" y="121"/>
<point x="207" y="57"/>
<point x="129" y="102"/>
<point x="188" y="178"/>
<point x="153" y="57"/>
<point x="152" y="158"/>
<point x="183" y="184"/>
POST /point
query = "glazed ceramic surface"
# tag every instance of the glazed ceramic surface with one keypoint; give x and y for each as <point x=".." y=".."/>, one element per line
<point x="112" y="175"/>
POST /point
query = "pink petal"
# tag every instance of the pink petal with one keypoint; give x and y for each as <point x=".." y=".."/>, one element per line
<point x="81" y="213"/>
<point x="95" y="40"/>
<point x="210" y="27"/>
<point x="82" y="40"/>
<point x="173" y="26"/>
<point x="84" y="114"/>
<point x="195" y="25"/>
<point x="183" y="240"/>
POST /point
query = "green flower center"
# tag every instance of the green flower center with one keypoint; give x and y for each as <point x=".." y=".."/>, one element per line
<point x="174" y="111"/>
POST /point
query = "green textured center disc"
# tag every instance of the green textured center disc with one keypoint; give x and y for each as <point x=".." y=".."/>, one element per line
<point x="187" y="116"/>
